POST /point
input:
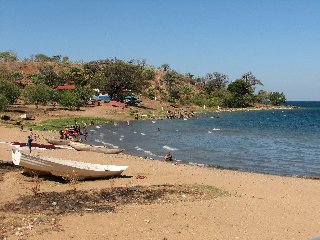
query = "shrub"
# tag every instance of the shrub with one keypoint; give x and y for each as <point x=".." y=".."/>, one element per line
<point x="69" y="99"/>
<point x="277" y="98"/>
<point x="150" y="93"/>
<point x="10" y="91"/>
<point x="3" y="102"/>
<point x="39" y="94"/>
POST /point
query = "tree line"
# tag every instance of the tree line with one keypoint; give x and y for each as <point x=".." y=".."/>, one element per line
<point x="116" y="77"/>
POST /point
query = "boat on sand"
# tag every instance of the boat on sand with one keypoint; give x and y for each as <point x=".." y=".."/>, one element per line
<point x="58" y="141"/>
<point x="101" y="149"/>
<point x="63" y="168"/>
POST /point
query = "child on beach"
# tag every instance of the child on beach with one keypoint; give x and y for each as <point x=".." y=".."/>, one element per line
<point x="30" y="142"/>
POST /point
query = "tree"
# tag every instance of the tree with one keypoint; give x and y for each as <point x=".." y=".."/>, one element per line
<point x="171" y="79"/>
<point x="41" y="58"/>
<point x="73" y="75"/>
<point x="10" y="91"/>
<point x="148" y="74"/>
<point x="48" y="76"/>
<point x="3" y="102"/>
<point x="277" y="98"/>
<point x="115" y="77"/>
<point x="68" y="99"/>
<point x="8" y="56"/>
<point x="165" y="67"/>
<point x="15" y="76"/>
<point x="76" y="98"/>
<point x="39" y="94"/>
<point x="65" y="59"/>
<point x="56" y="58"/>
<point x="251" y="80"/>
<point x="262" y="96"/>
<point x="215" y="81"/>
<point x="239" y="88"/>
<point x="84" y="93"/>
<point x="222" y="97"/>
<point x="242" y="93"/>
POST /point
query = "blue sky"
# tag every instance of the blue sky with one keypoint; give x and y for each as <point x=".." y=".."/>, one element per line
<point x="277" y="40"/>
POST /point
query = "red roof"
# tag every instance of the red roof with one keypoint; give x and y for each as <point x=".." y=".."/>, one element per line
<point x="66" y="87"/>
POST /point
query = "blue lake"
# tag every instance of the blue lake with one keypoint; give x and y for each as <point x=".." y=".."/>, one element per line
<point x="281" y="142"/>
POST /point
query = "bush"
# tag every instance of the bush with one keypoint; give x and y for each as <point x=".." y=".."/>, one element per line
<point x="39" y="94"/>
<point x="75" y="99"/>
<point x="10" y="91"/>
<point x="150" y="92"/>
<point x="148" y="74"/>
<point x="69" y="99"/>
<point x="277" y="98"/>
<point x="3" y="102"/>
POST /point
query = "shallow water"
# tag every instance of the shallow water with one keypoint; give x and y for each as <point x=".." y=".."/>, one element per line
<point x="282" y="142"/>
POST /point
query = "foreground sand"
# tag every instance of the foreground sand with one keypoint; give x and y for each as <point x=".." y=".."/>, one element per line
<point x="257" y="207"/>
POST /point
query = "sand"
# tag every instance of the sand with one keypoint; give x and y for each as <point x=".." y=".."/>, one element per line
<point x="250" y="206"/>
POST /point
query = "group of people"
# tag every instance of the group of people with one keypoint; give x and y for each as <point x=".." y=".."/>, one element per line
<point x="74" y="132"/>
<point x="180" y="115"/>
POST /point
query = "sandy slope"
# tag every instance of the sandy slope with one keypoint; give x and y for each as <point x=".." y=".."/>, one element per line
<point x="258" y="207"/>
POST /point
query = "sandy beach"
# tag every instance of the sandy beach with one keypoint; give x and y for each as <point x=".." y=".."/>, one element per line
<point x="234" y="204"/>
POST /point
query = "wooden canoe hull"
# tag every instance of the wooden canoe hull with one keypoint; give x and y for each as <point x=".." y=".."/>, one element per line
<point x="101" y="149"/>
<point x="64" y="168"/>
<point x="58" y="141"/>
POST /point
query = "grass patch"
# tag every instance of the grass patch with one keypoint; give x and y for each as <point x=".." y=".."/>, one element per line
<point x="107" y="200"/>
<point x="58" y="123"/>
<point x="212" y="189"/>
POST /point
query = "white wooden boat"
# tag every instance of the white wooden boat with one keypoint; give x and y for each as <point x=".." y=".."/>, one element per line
<point x="101" y="149"/>
<point x="64" y="168"/>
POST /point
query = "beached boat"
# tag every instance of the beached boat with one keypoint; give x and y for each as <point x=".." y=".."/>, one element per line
<point x="35" y="145"/>
<point x="58" y="141"/>
<point x="63" y="168"/>
<point x="101" y="149"/>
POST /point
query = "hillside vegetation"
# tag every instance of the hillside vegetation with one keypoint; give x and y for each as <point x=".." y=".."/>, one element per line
<point x="33" y="81"/>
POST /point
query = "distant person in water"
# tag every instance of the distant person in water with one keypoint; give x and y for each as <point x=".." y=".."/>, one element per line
<point x="168" y="157"/>
<point x="30" y="142"/>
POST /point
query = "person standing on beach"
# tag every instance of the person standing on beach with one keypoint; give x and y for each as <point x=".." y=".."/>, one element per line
<point x="30" y="142"/>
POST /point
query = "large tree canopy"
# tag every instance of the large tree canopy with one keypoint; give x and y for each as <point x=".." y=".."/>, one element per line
<point x="215" y="81"/>
<point x="39" y="94"/>
<point x="251" y="80"/>
<point x="116" y="76"/>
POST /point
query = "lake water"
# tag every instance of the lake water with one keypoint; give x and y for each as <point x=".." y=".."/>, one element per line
<point x="281" y="142"/>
